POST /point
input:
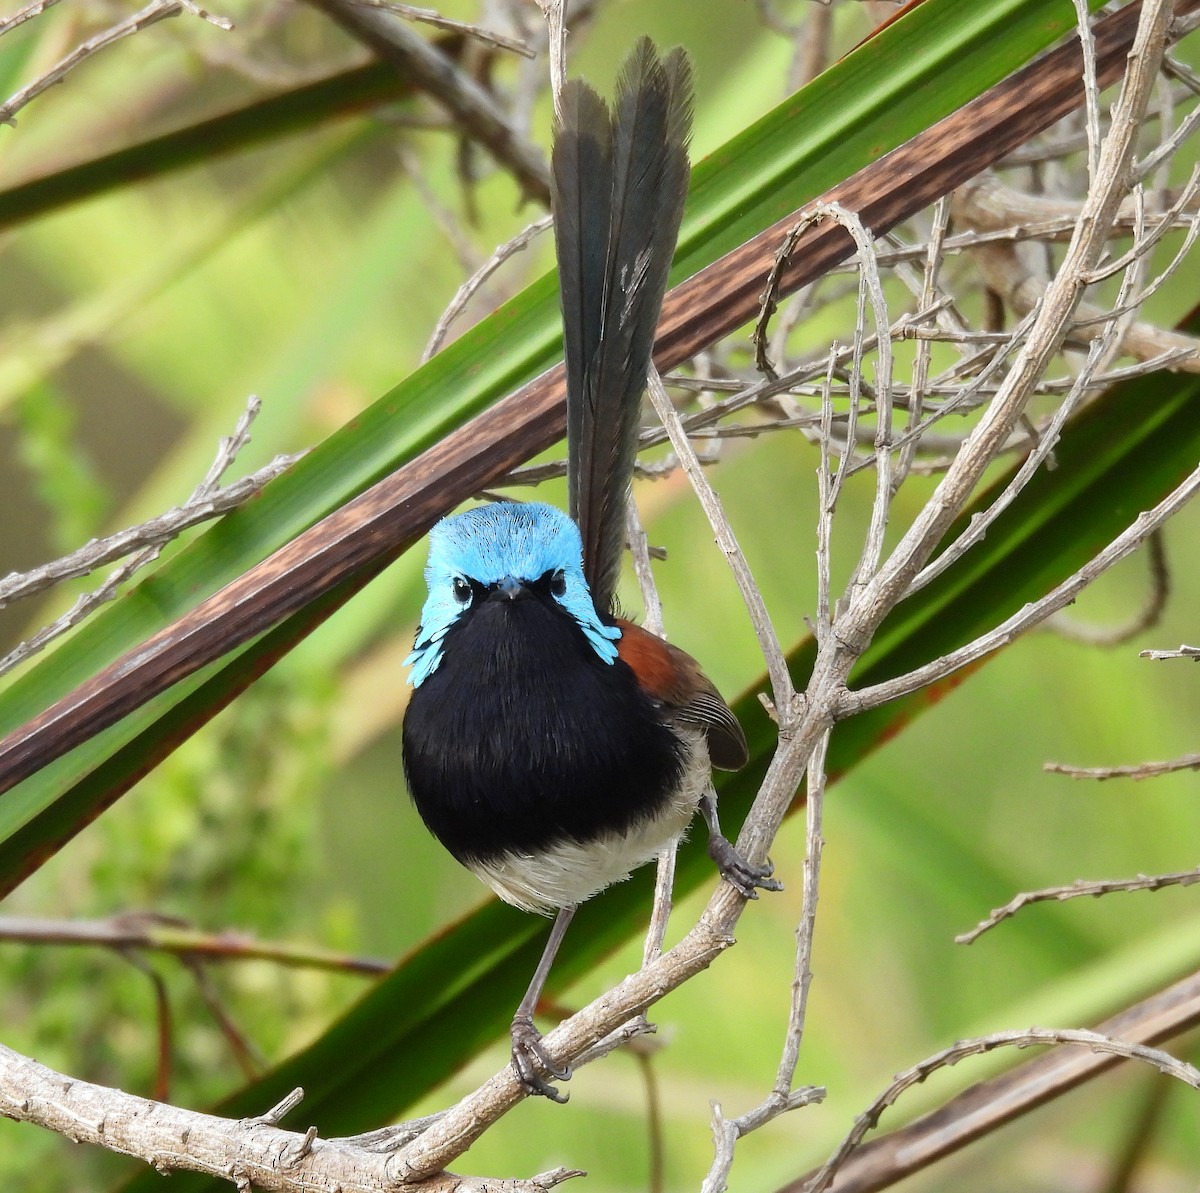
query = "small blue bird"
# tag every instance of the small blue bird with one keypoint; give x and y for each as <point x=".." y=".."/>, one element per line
<point x="550" y="745"/>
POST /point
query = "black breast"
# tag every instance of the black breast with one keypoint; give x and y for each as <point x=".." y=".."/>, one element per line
<point x="523" y="737"/>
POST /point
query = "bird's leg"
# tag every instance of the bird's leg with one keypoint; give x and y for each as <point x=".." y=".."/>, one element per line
<point x="528" y="1055"/>
<point x="734" y="868"/>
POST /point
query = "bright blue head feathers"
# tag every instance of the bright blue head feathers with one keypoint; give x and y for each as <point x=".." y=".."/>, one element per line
<point x="488" y="544"/>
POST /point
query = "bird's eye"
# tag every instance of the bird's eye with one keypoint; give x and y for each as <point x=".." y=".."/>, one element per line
<point x="558" y="585"/>
<point x="462" y="590"/>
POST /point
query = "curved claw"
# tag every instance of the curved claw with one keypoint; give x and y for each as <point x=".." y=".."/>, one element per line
<point x="745" y="878"/>
<point x="530" y="1059"/>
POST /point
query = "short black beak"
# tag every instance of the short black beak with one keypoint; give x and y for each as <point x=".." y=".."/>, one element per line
<point x="508" y="588"/>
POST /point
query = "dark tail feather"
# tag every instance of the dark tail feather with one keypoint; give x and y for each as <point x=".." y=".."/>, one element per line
<point x="619" y="182"/>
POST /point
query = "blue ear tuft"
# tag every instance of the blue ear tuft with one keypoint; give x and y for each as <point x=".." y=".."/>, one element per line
<point x="488" y="543"/>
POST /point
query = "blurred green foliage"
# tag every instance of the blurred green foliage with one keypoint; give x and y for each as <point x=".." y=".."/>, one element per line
<point x="310" y="272"/>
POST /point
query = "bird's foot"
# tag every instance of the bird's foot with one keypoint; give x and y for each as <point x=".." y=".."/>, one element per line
<point x="530" y="1059"/>
<point x="745" y="878"/>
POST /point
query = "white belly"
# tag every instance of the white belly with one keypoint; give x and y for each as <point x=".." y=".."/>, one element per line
<point x="569" y="872"/>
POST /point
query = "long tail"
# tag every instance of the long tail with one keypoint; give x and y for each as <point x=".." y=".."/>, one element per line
<point x="619" y="181"/>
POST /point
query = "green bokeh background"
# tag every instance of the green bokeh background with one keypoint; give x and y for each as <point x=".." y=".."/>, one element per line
<point x="310" y="273"/>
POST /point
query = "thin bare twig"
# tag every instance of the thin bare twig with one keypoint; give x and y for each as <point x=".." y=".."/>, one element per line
<point x="554" y="12"/>
<point x="471" y="107"/>
<point x="446" y="220"/>
<point x="207" y="501"/>
<point x="979" y="524"/>
<point x="870" y="286"/>
<point x="167" y="934"/>
<point x="1092" y="888"/>
<point x="664" y="879"/>
<point x="1142" y="770"/>
<point x="429" y="16"/>
<point x="781" y="683"/>
<point x="726" y="1132"/>
<point x="248" y="1057"/>
<point x="985" y="1106"/>
<point x="1034" y="613"/>
<point x="1034" y="1036"/>
<point x="1083" y="25"/>
<point x="139" y="545"/>
<point x="639" y="550"/>
<point x="31" y="10"/>
<point x="155" y="11"/>
<point x="471" y="286"/>
<point x="1145" y="618"/>
<point x="1173" y="217"/>
<point x="1183" y="652"/>
<point x="784" y="1096"/>
<point x="826" y="502"/>
<point x="1164" y="151"/>
<point x="920" y="372"/>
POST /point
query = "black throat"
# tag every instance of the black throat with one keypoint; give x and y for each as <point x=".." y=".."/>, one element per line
<point x="524" y="737"/>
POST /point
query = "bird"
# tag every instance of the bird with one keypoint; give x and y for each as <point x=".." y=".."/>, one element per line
<point x="550" y="744"/>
